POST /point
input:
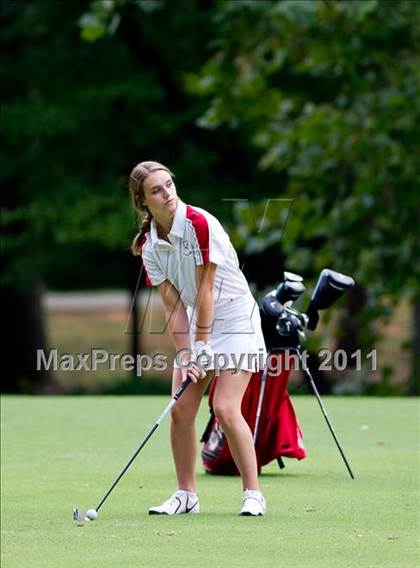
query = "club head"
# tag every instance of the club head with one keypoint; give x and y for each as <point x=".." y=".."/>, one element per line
<point x="291" y="277"/>
<point x="271" y="306"/>
<point x="79" y="517"/>
<point x="330" y="286"/>
<point x="287" y="324"/>
<point x="289" y="291"/>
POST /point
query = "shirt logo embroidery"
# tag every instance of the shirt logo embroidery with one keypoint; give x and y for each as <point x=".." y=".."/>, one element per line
<point x="187" y="248"/>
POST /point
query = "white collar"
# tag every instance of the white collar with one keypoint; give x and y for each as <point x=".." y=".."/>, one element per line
<point x="178" y="224"/>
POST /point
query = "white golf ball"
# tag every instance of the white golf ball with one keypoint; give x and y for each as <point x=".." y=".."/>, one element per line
<point x="91" y="514"/>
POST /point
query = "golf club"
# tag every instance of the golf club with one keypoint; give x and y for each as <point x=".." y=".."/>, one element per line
<point x="324" y="412"/>
<point x="260" y="400"/>
<point x="91" y="514"/>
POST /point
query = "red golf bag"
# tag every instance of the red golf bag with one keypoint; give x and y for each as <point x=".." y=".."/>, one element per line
<point x="278" y="435"/>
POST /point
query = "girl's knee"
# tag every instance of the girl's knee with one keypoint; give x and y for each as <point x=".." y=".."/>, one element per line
<point x="181" y="414"/>
<point x="226" y="412"/>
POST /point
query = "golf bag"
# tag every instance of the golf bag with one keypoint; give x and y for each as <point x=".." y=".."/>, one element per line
<point x="266" y="404"/>
<point x="279" y="433"/>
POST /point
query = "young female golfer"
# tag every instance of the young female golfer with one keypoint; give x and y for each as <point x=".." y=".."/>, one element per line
<point x="213" y="321"/>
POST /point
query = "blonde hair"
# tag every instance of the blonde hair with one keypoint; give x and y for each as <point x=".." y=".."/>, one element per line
<point x="137" y="178"/>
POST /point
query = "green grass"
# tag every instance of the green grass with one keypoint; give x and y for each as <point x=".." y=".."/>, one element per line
<point x="60" y="452"/>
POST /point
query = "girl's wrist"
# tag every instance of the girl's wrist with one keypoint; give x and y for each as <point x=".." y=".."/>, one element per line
<point x="202" y="333"/>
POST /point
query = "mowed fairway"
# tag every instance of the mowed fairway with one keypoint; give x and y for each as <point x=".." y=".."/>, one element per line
<point x="61" y="452"/>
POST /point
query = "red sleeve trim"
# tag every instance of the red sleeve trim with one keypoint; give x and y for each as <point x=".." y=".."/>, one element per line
<point x="147" y="279"/>
<point x="202" y="232"/>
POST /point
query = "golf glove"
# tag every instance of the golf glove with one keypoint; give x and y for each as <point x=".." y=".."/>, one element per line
<point x="202" y="356"/>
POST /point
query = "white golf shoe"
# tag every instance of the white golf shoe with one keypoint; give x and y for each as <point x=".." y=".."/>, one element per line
<point x="180" y="502"/>
<point x="253" y="504"/>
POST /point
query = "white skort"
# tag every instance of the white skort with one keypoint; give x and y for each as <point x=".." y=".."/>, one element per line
<point x="236" y="338"/>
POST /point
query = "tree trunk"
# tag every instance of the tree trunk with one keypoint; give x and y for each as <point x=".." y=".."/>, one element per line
<point x="353" y="321"/>
<point x="24" y="333"/>
<point x="355" y="331"/>
<point x="414" y="386"/>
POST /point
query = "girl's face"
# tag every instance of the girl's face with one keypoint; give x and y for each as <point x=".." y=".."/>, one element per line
<point x="160" y="195"/>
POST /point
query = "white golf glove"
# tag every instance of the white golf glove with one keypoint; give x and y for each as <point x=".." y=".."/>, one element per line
<point x="202" y="356"/>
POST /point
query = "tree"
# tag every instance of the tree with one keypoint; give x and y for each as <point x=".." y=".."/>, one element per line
<point x="329" y="92"/>
<point x="76" y="117"/>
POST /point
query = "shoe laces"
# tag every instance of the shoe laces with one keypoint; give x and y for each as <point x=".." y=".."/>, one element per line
<point x="177" y="495"/>
<point x="173" y="499"/>
<point x="252" y="494"/>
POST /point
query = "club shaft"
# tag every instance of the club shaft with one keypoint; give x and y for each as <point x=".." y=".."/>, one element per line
<point x="330" y="426"/>
<point x="260" y="400"/>
<point x="168" y="407"/>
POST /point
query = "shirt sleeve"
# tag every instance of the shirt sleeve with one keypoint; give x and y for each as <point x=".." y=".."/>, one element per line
<point x="220" y="244"/>
<point x="210" y="243"/>
<point x="154" y="274"/>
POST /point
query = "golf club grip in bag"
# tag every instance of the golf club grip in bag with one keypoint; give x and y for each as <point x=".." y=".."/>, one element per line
<point x="279" y="433"/>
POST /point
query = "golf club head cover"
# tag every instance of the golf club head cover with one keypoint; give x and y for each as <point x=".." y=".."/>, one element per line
<point x="330" y="286"/>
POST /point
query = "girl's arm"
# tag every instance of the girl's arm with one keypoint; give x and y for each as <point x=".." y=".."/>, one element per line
<point x="178" y="325"/>
<point x="175" y="315"/>
<point x="205" y="276"/>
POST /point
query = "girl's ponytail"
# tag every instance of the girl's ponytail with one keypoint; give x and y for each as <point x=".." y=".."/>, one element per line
<point x="138" y="240"/>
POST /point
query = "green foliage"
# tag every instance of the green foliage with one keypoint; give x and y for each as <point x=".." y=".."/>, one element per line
<point x="329" y="92"/>
<point x="101" y="20"/>
<point x="77" y="115"/>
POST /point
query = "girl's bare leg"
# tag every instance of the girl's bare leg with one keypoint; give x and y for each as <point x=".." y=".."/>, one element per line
<point x="183" y="439"/>
<point x="229" y="392"/>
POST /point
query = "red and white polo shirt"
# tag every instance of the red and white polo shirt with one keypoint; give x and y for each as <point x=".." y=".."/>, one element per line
<point x="196" y="238"/>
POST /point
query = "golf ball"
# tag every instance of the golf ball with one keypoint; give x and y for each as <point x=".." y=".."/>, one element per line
<point x="91" y="514"/>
